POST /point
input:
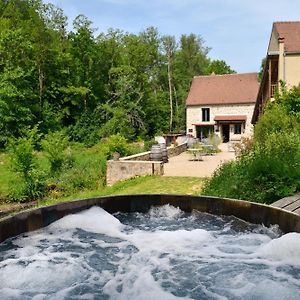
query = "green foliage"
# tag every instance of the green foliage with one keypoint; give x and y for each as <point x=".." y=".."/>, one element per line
<point x="31" y="183"/>
<point x="54" y="146"/>
<point x="117" y="144"/>
<point x="270" y="170"/>
<point x="94" y="86"/>
<point x="218" y="67"/>
<point x="88" y="172"/>
<point x="261" y="71"/>
<point x="22" y="156"/>
<point x="148" y="144"/>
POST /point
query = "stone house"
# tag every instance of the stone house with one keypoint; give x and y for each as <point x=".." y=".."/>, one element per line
<point x="221" y="104"/>
<point x="282" y="63"/>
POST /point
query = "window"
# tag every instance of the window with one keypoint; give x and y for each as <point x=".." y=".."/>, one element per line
<point x="191" y="130"/>
<point x="238" y="128"/>
<point x="205" y="115"/>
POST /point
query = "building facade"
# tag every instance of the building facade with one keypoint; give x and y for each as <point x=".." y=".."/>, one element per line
<point x="221" y="104"/>
<point x="282" y="63"/>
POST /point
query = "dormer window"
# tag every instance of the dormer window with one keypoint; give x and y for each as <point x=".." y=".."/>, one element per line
<point x="205" y="115"/>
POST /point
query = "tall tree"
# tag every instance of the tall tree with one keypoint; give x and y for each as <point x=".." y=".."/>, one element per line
<point x="218" y="67"/>
<point x="169" y="46"/>
<point x="191" y="59"/>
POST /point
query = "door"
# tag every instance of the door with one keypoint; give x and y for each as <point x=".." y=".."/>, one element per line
<point x="225" y="133"/>
<point x="203" y="132"/>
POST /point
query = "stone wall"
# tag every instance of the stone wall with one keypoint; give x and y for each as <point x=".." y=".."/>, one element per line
<point x="194" y="116"/>
<point x="174" y="151"/>
<point x="137" y="165"/>
<point x="118" y="170"/>
<point x="144" y="156"/>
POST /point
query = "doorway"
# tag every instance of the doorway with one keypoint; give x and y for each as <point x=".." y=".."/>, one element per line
<point x="203" y="132"/>
<point x="225" y="133"/>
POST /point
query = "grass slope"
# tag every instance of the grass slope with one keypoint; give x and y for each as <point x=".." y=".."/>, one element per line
<point x="140" y="185"/>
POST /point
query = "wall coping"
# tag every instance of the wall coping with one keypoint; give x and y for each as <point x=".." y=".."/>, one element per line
<point x="125" y="158"/>
<point x="136" y="161"/>
<point x="130" y="157"/>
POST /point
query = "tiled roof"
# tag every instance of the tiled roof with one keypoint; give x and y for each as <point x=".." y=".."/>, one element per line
<point x="223" y="89"/>
<point x="290" y="31"/>
<point x="230" y="118"/>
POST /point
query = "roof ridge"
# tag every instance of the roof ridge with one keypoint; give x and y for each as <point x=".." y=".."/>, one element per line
<point x="220" y="75"/>
<point x="285" y="22"/>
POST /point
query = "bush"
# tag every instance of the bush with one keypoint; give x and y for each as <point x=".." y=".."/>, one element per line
<point x="23" y="162"/>
<point x="117" y="144"/>
<point x="258" y="177"/>
<point x="214" y="140"/>
<point x="86" y="130"/>
<point x="55" y="147"/>
<point x="32" y="187"/>
<point x="88" y="172"/>
<point x="148" y="144"/>
<point x="269" y="168"/>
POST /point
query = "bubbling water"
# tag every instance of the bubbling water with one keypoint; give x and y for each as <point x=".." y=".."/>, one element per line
<point x="164" y="254"/>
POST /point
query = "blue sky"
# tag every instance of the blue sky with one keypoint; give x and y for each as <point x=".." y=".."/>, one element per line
<point x="238" y="31"/>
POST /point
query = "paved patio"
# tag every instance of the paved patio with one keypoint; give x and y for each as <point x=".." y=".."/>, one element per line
<point x="182" y="165"/>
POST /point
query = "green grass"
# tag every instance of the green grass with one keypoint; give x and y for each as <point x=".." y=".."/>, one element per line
<point x="140" y="185"/>
<point x="89" y="165"/>
<point x="6" y="176"/>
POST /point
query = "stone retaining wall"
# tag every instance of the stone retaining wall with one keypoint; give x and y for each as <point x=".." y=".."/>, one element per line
<point x="144" y="156"/>
<point x="118" y="170"/>
<point x="174" y="151"/>
<point x="137" y="165"/>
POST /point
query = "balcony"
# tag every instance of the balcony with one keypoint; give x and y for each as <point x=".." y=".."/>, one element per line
<point x="274" y="88"/>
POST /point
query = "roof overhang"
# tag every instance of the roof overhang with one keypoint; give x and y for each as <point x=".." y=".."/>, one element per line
<point x="203" y="124"/>
<point x="230" y="118"/>
<point x="273" y="52"/>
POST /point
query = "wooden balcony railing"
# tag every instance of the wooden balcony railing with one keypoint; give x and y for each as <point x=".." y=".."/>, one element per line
<point x="273" y="89"/>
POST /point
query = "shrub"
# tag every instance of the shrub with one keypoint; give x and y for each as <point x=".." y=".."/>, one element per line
<point x="117" y="143"/>
<point x="257" y="177"/>
<point x="269" y="168"/>
<point x="214" y="140"/>
<point x="21" y="156"/>
<point x="55" y="147"/>
<point x="88" y="172"/>
<point x="86" y="129"/>
<point x="148" y="144"/>
<point x="24" y="163"/>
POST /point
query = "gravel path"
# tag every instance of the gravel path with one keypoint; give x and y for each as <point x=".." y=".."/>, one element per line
<point x="182" y="165"/>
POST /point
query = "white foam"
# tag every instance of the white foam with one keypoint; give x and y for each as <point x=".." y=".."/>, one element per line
<point x="95" y="220"/>
<point x="138" y="284"/>
<point x="171" y="241"/>
<point x="40" y="275"/>
<point x="51" y="274"/>
<point x="166" y="211"/>
<point x="285" y="249"/>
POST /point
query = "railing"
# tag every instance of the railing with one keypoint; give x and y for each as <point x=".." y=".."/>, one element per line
<point x="274" y="88"/>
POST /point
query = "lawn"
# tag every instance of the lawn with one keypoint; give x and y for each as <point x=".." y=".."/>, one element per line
<point x="161" y="185"/>
<point x="87" y="158"/>
<point x="6" y="176"/>
<point x="140" y="185"/>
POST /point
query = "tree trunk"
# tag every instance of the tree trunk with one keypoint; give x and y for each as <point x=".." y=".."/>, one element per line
<point x="170" y="91"/>
<point x="41" y="88"/>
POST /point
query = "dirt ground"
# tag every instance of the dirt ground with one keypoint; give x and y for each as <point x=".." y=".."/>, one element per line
<point x="184" y="165"/>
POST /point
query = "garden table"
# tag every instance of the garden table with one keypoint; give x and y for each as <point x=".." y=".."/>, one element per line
<point x="197" y="153"/>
